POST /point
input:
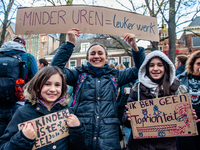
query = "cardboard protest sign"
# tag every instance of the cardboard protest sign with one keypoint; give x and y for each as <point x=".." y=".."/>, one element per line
<point x="89" y="19"/>
<point x="163" y="117"/>
<point x="49" y="128"/>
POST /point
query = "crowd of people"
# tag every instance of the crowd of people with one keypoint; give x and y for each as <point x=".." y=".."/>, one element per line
<point x="99" y="96"/>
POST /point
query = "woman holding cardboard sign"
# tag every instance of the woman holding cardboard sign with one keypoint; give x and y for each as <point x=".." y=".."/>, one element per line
<point x="156" y="79"/>
<point x="45" y="94"/>
<point x="191" y="79"/>
<point x="96" y="90"/>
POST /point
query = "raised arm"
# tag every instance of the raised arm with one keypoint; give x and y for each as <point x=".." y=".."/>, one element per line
<point x="130" y="74"/>
<point x="63" y="55"/>
<point x="65" y="51"/>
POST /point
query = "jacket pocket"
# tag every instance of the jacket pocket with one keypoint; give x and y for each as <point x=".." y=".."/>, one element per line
<point x="111" y="121"/>
<point x="84" y="120"/>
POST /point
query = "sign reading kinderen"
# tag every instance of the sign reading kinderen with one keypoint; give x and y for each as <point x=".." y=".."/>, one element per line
<point x="49" y="128"/>
<point x="163" y="117"/>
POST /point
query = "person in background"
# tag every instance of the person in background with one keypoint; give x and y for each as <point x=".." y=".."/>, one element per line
<point x="45" y="94"/>
<point x="156" y="79"/>
<point x="42" y="63"/>
<point x="10" y="48"/>
<point x="122" y="101"/>
<point x="31" y="70"/>
<point x="112" y="65"/>
<point x="95" y="104"/>
<point x="180" y="64"/>
<point x="191" y="79"/>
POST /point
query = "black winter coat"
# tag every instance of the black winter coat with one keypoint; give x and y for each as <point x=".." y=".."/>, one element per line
<point x="153" y="143"/>
<point x="96" y="105"/>
<point x="13" y="139"/>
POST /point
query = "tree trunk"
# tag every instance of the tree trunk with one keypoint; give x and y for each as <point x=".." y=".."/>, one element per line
<point x="154" y="46"/>
<point x="3" y="33"/>
<point x="62" y="38"/>
<point x="172" y="31"/>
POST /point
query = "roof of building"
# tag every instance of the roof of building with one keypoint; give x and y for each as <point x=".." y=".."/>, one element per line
<point x="12" y="24"/>
<point x="109" y="44"/>
<point x="195" y="22"/>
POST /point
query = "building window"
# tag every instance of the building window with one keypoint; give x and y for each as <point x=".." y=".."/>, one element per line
<point x="35" y="45"/>
<point x="72" y="64"/>
<point x="160" y="48"/>
<point x="83" y="61"/>
<point x="195" y="41"/>
<point x="126" y="61"/>
<point x="116" y="61"/>
<point x="26" y="38"/>
<point x="84" y="47"/>
<point x="8" y="37"/>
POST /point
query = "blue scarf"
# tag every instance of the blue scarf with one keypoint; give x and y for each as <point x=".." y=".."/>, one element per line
<point x="99" y="71"/>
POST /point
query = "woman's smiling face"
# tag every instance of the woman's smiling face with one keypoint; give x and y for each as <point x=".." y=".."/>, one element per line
<point x="97" y="56"/>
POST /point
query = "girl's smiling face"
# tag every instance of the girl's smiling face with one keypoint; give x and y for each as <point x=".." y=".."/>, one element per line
<point x="51" y="90"/>
<point x="156" y="68"/>
<point x="97" y="56"/>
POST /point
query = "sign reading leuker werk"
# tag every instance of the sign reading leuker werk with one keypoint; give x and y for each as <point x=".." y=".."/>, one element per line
<point x="88" y="19"/>
<point x="49" y="128"/>
<point x="163" y="117"/>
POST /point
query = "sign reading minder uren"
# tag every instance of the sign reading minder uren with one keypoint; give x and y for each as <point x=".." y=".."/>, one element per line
<point x="88" y="19"/>
<point x="163" y="117"/>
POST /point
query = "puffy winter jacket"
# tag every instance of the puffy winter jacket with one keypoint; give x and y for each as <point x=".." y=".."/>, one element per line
<point x="96" y="104"/>
<point x="153" y="143"/>
<point x="13" y="139"/>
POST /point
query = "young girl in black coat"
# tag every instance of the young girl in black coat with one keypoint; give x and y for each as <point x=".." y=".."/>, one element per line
<point x="45" y="94"/>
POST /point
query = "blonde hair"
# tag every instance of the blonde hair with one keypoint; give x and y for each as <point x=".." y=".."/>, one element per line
<point x="111" y="65"/>
<point x="120" y="67"/>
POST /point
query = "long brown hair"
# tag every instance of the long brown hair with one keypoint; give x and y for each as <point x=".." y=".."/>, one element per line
<point x="34" y="86"/>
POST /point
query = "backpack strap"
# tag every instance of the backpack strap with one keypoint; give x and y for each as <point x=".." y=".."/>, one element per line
<point x="80" y="81"/>
<point x="29" y="63"/>
<point x="114" y="82"/>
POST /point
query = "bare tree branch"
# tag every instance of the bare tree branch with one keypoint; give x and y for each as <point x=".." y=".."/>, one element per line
<point x="124" y="47"/>
<point x="132" y="5"/>
<point x="123" y="5"/>
<point x="52" y="2"/>
<point x="179" y="3"/>
<point x="159" y="6"/>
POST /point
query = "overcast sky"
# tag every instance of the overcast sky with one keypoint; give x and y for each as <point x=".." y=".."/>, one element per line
<point x="113" y="4"/>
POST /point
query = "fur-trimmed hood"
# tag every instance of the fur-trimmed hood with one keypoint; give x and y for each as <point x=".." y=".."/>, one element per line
<point x="142" y="71"/>
<point x="27" y="96"/>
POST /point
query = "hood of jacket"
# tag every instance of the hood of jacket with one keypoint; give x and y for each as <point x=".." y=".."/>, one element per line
<point x="27" y="96"/>
<point x="10" y="46"/>
<point x="142" y="71"/>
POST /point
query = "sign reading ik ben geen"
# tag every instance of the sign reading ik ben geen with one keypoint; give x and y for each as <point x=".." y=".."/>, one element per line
<point x="163" y="117"/>
<point x="49" y="128"/>
<point x="89" y="19"/>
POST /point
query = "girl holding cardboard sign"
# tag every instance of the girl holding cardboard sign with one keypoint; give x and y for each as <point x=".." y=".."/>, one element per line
<point x="156" y="79"/>
<point x="45" y="94"/>
<point x="96" y="104"/>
